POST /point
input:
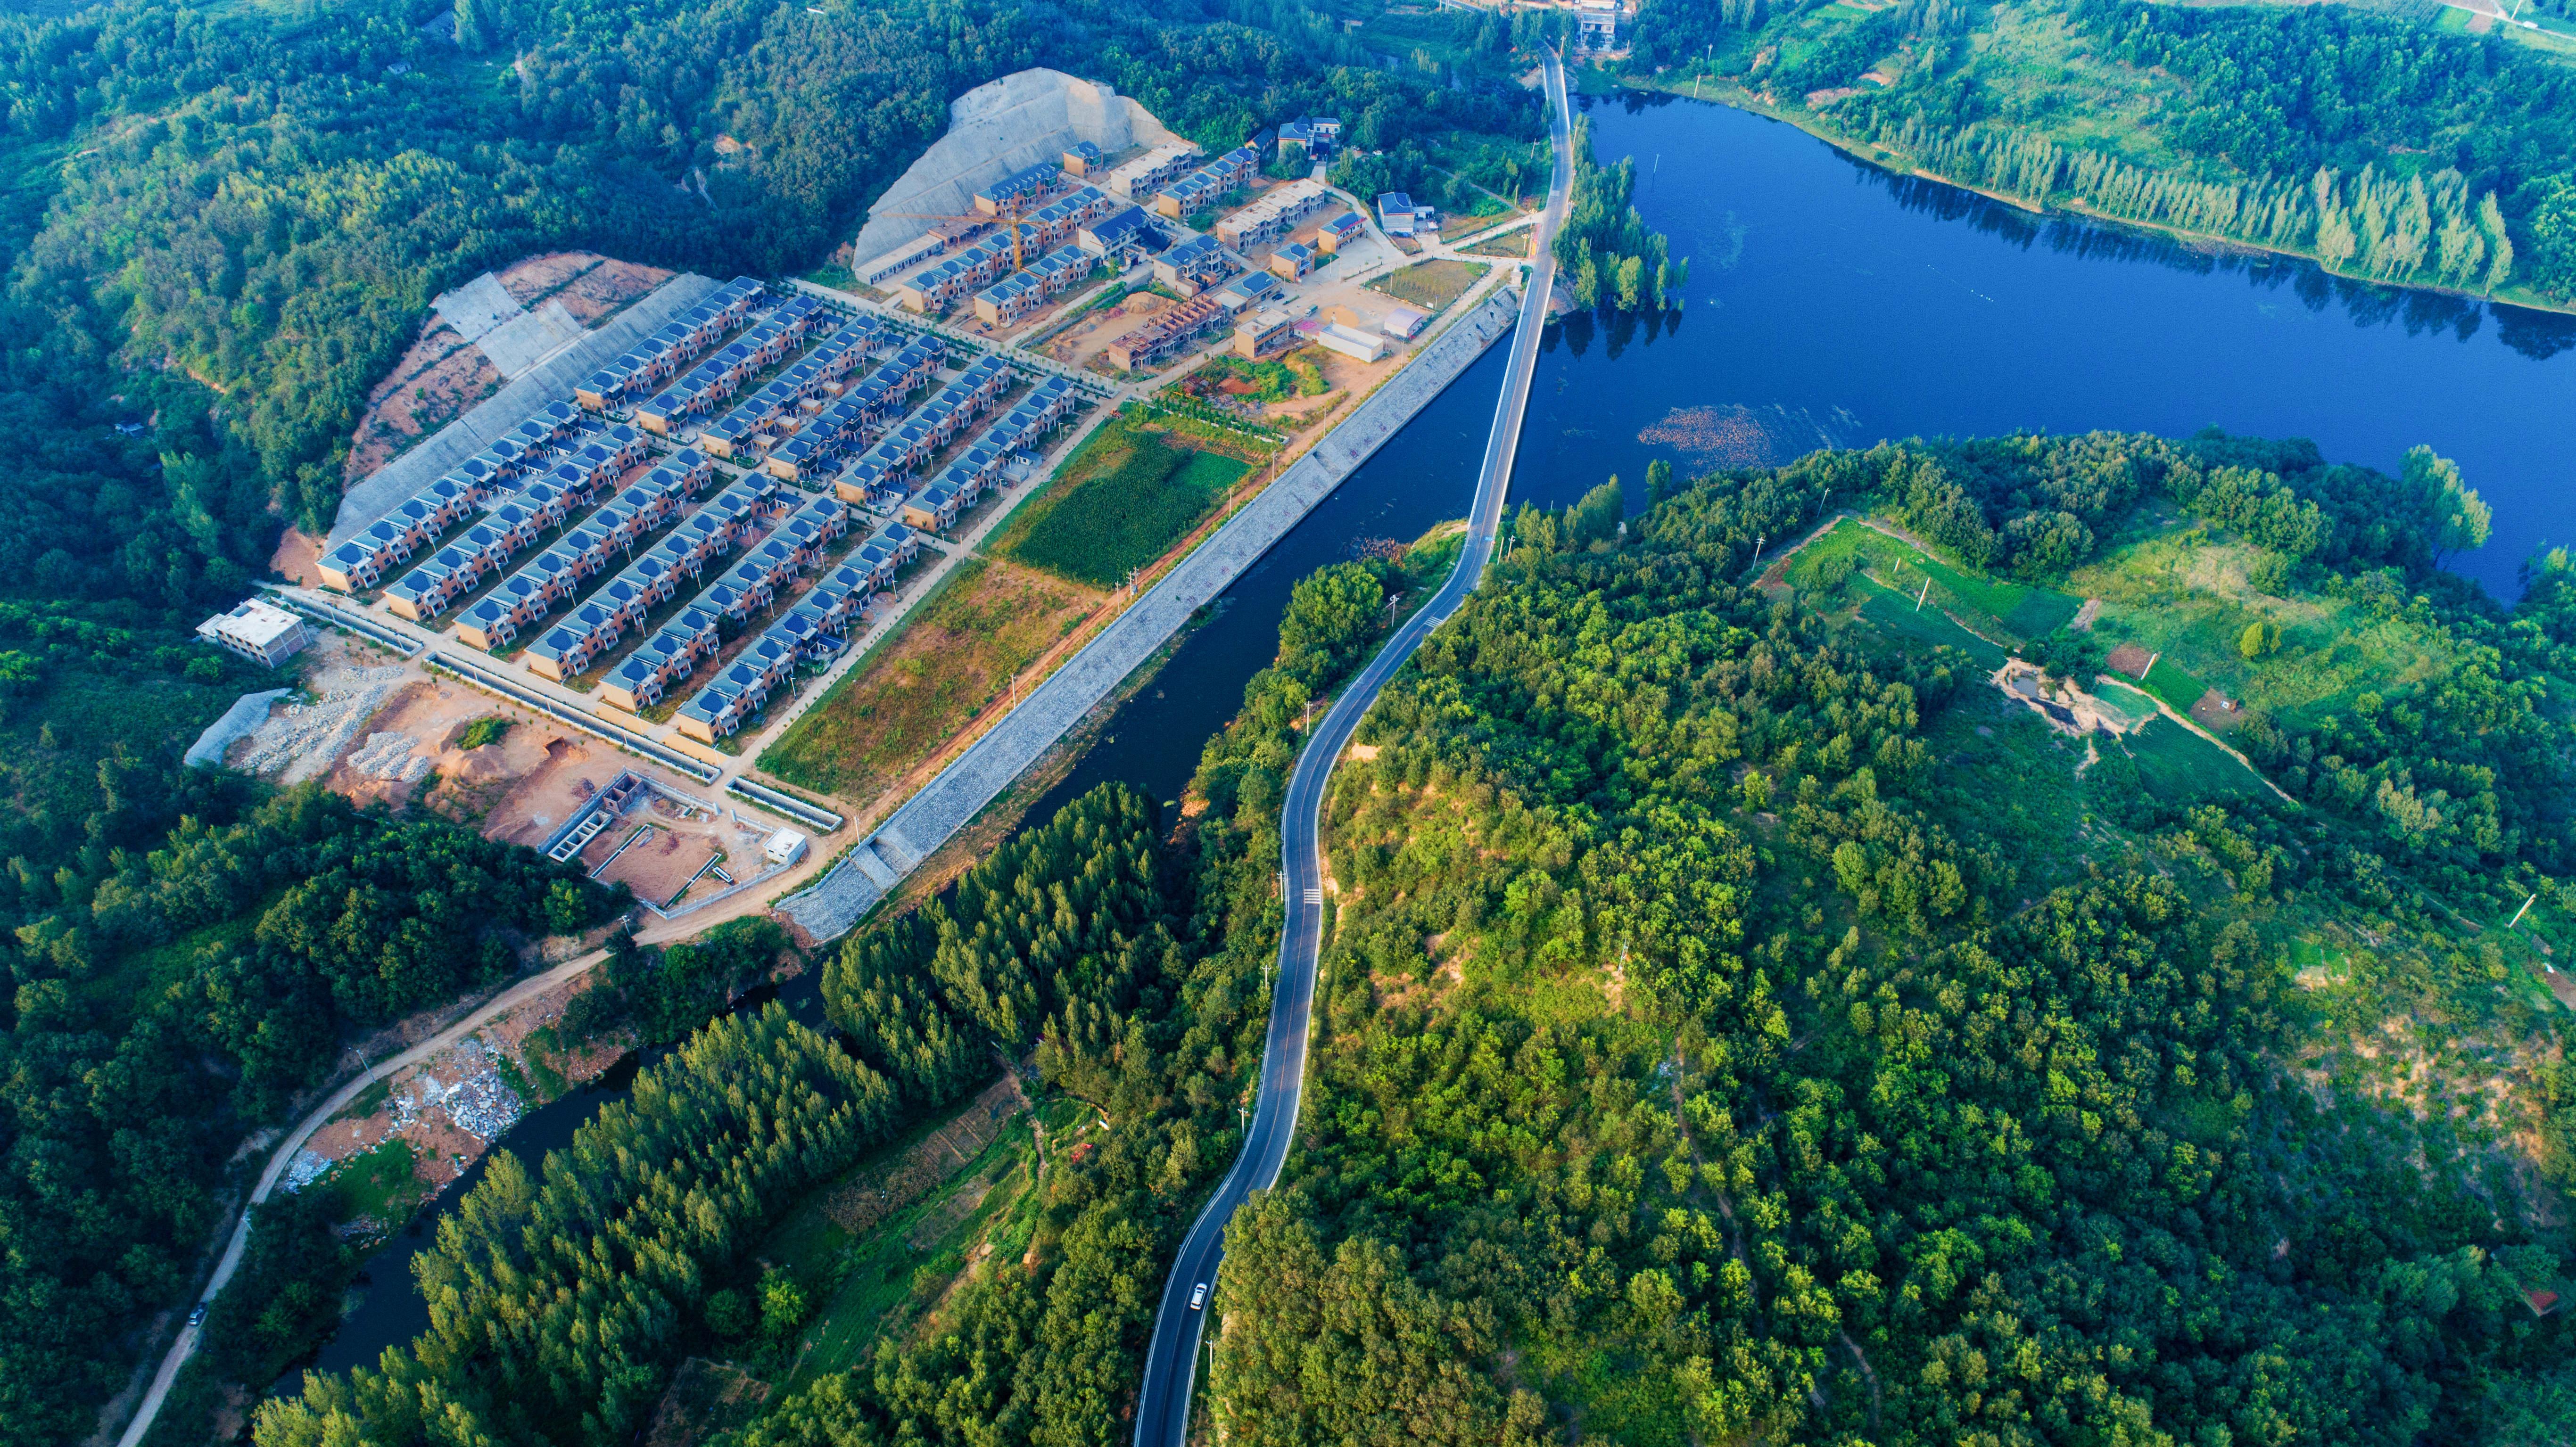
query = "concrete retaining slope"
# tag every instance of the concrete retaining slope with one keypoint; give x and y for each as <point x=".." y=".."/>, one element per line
<point x="977" y="776"/>
<point x="505" y="409"/>
<point x="1026" y="118"/>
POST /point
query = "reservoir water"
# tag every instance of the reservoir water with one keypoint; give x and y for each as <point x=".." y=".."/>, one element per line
<point x="1832" y="303"/>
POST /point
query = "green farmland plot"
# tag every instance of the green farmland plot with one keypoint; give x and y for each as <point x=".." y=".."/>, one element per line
<point x="1121" y="502"/>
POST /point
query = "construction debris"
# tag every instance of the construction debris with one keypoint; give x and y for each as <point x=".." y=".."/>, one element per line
<point x="299" y="741"/>
<point x="390" y="757"/>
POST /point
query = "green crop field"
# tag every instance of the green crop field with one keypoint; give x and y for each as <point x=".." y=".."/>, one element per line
<point x="1988" y="605"/>
<point x="1121" y="501"/>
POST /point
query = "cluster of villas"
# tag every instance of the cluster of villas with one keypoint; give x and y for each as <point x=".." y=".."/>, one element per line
<point x="658" y="358"/>
<point x="752" y="425"/>
<point x="733" y="516"/>
<point x="551" y="464"/>
<point x="985" y="462"/>
<point x="716" y="379"/>
<point x="1062" y="235"/>
<point x="881" y="477"/>
<point x="600" y="542"/>
<point x="1173" y="329"/>
<point x="816" y="626"/>
<point x="1203" y="187"/>
<point x="862" y="410"/>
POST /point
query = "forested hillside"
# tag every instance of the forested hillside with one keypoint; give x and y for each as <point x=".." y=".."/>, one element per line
<point x="222" y="226"/>
<point x="1744" y="1020"/>
<point x="2378" y="139"/>
<point x="169" y="996"/>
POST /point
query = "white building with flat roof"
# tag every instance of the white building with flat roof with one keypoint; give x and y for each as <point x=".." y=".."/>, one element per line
<point x="261" y="632"/>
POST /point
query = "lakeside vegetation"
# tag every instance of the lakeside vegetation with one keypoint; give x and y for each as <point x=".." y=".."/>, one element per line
<point x="1740" y="1018"/>
<point x="2412" y="155"/>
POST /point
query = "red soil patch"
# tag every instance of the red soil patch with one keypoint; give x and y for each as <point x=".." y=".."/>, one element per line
<point x="298" y="559"/>
<point x="2215" y="712"/>
<point x="2130" y="659"/>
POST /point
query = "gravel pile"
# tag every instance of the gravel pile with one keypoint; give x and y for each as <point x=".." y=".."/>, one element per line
<point x="300" y="740"/>
<point x="480" y="1103"/>
<point x="304" y="1170"/>
<point x="390" y="756"/>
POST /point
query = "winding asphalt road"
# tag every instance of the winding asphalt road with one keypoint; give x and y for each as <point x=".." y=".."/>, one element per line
<point x="1171" y="1366"/>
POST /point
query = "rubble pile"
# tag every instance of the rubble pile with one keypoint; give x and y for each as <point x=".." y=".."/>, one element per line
<point x="390" y="757"/>
<point x="480" y="1103"/>
<point x="300" y="740"/>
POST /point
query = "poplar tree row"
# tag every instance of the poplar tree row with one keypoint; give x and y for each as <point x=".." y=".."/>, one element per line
<point x="557" y="1298"/>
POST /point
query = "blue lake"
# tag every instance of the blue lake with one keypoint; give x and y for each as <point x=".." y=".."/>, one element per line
<point x="1831" y="303"/>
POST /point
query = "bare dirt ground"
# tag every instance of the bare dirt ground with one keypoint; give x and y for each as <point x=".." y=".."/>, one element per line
<point x="590" y="286"/>
<point x="452" y="1106"/>
<point x="1086" y="341"/>
<point x="298" y="559"/>
<point x="2213" y="712"/>
<point x="443" y="375"/>
<point x="437" y="381"/>
<point x="661" y="860"/>
<point x="2130" y="659"/>
<point x="548" y="793"/>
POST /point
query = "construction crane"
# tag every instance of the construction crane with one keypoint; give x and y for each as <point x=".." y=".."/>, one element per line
<point x="1011" y="217"/>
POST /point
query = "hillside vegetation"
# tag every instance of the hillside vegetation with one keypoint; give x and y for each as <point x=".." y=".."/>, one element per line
<point x="2379" y="140"/>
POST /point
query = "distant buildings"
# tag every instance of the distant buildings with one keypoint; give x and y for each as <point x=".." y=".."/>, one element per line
<point x="1140" y="179"/>
<point x="261" y="632"/>
<point x="1351" y="342"/>
<point x="1320" y="135"/>
<point x="1202" y="187"/>
<point x="1396" y="213"/>
<point x="1019" y="188"/>
<point x="1339" y="231"/>
<point x="1596" y="24"/>
<point x="1115" y="236"/>
<point x="1274" y="215"/>
<point x="1082" y="158"/>
<point x="1263" y="330"/>
<point x="1192" y="266"/>
<point x="1292" y="261"/>
<point x="1166" y="333"/>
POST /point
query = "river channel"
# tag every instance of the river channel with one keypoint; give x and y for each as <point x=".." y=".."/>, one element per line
<point x="1830" y="303"/>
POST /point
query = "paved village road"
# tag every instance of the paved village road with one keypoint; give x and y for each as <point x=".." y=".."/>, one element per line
<point x="1163" y="1406"/>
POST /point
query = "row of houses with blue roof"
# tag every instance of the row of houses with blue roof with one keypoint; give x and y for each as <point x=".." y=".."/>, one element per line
<point x="1202" y="187"/>
<point x="648" y="364"/>
<point x="715" y="380"/>
<point x="936" y="288"/>
<point x="594" y="544"/>
<point x="815" y="626"/>
<point x="598" y="621"/>
<point x="551" y="432"/>
<point x="747" y="427"/>
<point x="877" y="477"/>
<point x="862" y="411"/>
<point x="981" y="466"/>
<point x="1042" y="281"/>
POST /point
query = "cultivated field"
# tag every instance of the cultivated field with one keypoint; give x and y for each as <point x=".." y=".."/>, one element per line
<point x="1120" y="502"/>
<point x="889" y="715"/>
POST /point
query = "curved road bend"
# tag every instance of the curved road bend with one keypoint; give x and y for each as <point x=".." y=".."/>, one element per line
<point x="1163" y="1407"/>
